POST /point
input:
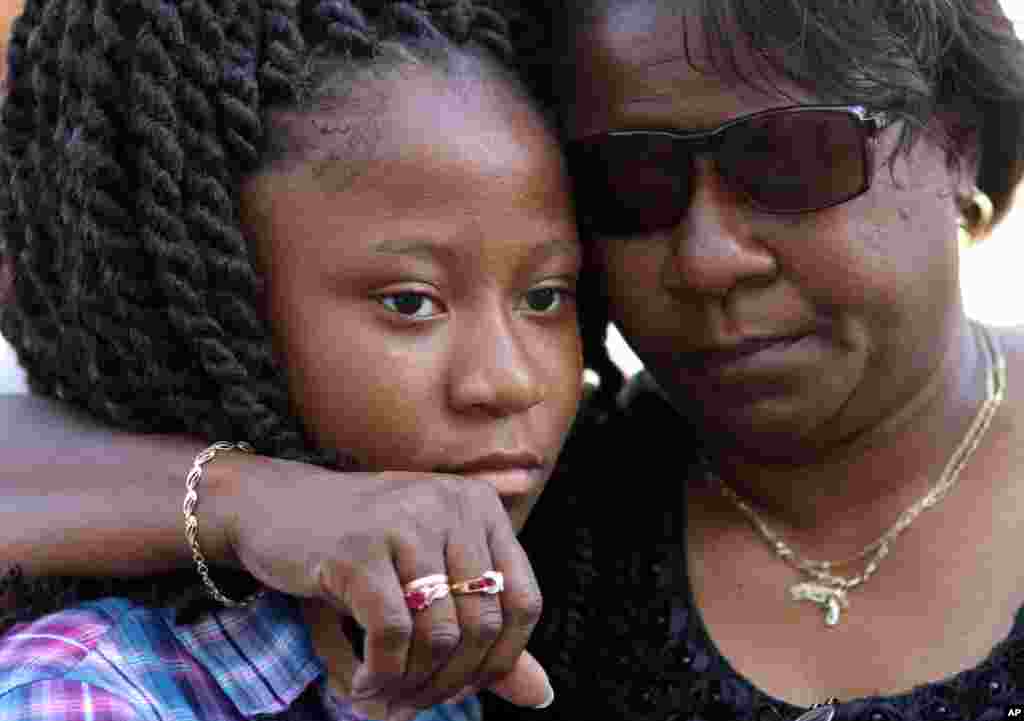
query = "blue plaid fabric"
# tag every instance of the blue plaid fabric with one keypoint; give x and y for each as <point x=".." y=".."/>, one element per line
<point x="114" y="660"/>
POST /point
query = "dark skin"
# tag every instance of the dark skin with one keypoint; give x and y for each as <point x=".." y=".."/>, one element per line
<point x="952" y="585"/>
<point x="448" y="262"/>
<point x="815" y="434"/>
<point x="459" y="312"/>
<point x="71" y="526"/>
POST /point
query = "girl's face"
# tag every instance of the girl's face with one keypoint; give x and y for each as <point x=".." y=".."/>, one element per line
<point x="420" y="270"/>
<point x="771" y="329"/>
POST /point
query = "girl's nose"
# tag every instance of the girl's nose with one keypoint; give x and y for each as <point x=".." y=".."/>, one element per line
<point x="494" y="372"/>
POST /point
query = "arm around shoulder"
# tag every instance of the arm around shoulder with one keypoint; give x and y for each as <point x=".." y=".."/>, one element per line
<point x="80" y="498"/>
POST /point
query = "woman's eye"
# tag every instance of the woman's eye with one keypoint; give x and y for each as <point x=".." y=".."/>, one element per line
<point x="410" y="304"/>
<point x="546" y="299"/>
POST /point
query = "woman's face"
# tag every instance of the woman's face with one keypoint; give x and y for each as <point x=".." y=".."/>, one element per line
<point x="773" y="329"/>
<point x="420" y="271"/>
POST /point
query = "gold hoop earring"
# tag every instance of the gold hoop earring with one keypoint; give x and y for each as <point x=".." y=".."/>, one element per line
<point x="975" y="219"/>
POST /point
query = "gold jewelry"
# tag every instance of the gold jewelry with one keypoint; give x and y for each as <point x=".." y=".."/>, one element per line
<point x="490" y="582"/>
<point x="820" y="711"/>
<point x="421" y="592"/>
<point x="830" y="590"/>
<point x="975" y="219"/>
<point x="195" y="474"/>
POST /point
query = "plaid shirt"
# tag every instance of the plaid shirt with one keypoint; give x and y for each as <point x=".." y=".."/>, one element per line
<point x="113" y="660"/>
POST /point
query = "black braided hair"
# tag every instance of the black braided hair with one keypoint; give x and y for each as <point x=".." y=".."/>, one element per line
<point x="128" y="128"/>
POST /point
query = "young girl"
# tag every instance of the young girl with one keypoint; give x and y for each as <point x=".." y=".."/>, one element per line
<point x="190" y="181"/>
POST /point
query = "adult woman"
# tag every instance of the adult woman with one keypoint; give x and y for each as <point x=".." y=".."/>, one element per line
<point x="801" y="312"/>
<point x="789" y="277"/>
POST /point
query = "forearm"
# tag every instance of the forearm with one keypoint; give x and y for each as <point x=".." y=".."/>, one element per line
<point x="77" y="498"/>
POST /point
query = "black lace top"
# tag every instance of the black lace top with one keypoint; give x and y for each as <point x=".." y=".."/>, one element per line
<point x="621" y="635"/>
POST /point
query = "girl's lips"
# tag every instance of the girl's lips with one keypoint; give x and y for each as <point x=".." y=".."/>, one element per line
<point x="512" y="482"/>
<point x="512" y="474"/>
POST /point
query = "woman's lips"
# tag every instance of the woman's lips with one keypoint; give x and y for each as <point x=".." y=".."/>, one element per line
<point x="748" y="355"/>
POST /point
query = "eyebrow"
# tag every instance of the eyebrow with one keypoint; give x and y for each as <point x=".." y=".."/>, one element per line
<point x="557" y="246"/>
<point x="432" y="251"/>
<point x="419" y="248"/>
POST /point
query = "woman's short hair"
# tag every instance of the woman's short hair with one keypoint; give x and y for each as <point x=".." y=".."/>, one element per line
<point x="957" y="62"/>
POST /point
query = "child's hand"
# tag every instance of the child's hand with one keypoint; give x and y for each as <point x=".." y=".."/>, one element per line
<point x="527" y="684"/>
<point x="352" y="540"/>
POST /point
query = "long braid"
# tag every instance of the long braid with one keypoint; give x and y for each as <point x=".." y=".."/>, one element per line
<point x="232" y="359"/>
<point x="239" y="97"/>
<point x="344" y="27"/>
<point x="66" y="201"/>
<point x="207" y="213"/>
<point x="33" y="329"/>
<point x="117" y="302"/>
<point x="283" y="50"/>
<point x="467" y="20"/>
<point x="179" y="272"/>
<point x="238" y="101"/>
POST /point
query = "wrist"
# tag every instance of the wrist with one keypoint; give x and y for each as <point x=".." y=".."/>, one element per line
<point x="220" y="493"/>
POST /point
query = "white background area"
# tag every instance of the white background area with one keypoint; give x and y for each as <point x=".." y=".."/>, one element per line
<point x="992" y="275"/>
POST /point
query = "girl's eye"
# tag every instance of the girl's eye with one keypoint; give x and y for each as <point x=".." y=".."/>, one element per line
<point x="410" y="304"/>
<point x="546" y="298"/>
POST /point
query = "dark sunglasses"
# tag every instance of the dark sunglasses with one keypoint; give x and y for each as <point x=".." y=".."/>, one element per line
<point x="787" y="160"/>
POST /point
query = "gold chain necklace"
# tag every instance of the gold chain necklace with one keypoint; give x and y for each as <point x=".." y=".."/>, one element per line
<point x="830" y="590"/>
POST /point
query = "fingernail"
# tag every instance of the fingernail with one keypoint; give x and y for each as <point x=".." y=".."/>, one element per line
<point x="549" y="698"/>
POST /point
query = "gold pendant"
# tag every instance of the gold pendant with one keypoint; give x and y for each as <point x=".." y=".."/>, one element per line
<point x="820" y="712"/>
<point x="832" y="600"/>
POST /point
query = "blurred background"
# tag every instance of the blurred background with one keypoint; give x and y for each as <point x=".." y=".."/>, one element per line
<point x="992" y="273"/>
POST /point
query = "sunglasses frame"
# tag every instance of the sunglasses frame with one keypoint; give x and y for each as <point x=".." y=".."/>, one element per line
<point x="703" y="142"/>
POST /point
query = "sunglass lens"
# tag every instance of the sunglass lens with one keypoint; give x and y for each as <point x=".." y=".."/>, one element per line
<point x="628" y="185"/>
<point x="797" y="161"/>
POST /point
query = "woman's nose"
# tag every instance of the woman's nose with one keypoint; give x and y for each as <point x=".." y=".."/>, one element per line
<point x="494" y="372"/>
<point x="714" y="247"/>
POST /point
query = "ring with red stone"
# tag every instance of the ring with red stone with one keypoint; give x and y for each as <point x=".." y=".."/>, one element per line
<point x="489" y="582"/>
<point x="421" y="592"/>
